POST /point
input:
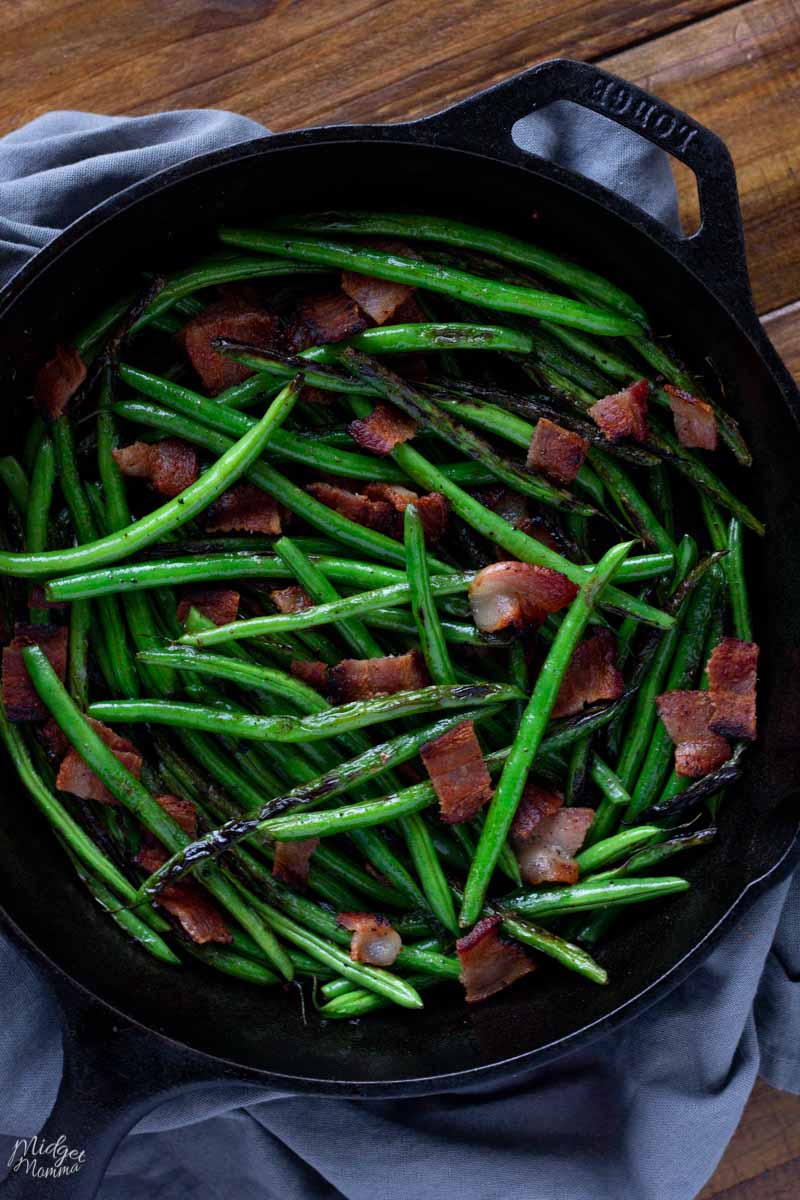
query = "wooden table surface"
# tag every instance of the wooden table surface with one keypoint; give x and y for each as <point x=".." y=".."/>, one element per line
<point x="735" y="66"/>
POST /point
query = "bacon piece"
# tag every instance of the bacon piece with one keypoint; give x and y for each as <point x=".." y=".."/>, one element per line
<point x="488" y="964"/>
<point x="558" y="453"/>
<point x="433" y="508"/>
<point x="220" y="605"/>
<point x="513" y="507"/>
<point x="327" y="317"/>
<point x="292" y="861"/>
<point x="233" y="319"/>
<point x="623" y="414"/>
<point x="365" y="678"/>
<point x="375" y="514"/>
<point x="75" y="777"/>
<point x="379" y="298"/>
<point x="244" y="507"/>
<point x="592" y="675"/>
<point x="186" y="901"/>
<point x="169" y="466"/>
<point x="384" y="428"/>
<point x="57" y="381"/>
<point x="535" y="804"/>
<point x="20" y="698"/>
<point x="291" y="599"/>
<point x="374" y="941"/>
<point x="695" y="422"/>
<point x="687" y="719"/>
<point x="54" y="741"/>
<point x="546" y="855"/>
<point x="515" y="593"/>
<point x="732" y="670"/>
<point x="315" y="674"/>
<point x="458" y="772"/>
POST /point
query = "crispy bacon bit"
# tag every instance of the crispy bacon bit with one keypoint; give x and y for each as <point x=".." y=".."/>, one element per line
<point x="315" y="674"/>
<point x="169" y="466"/>
<point x="695" y="422"/>
<point x="186" y="901"/>
<point x="513" y="507"/>
<point x="220" y="605"/>
<point x="535" y="804"/>
<point x="433" y="508"/>
<point x="558" y="453"/>
<point x="365" y="678"/>
<point x="244" y="507"/>
<point x="488" y="964"/>
<point x="546" y="854"/>
<point x="515" y="593"/>
<point x="379" y="298"/>
<point x="624" y="414"/>
<point x="687" y="717"/>
<point x="328" y="317"/>
<point x="20" y="698"/>
<point x="458" y="772"/>
<point x="53" y="740"/>
<point x="384" y="428"/>
<point x="57" y="381"/>
<point x="75" y="777"/>
<point x="732" y="670"/>
<point x="291" y="599"/>
<point x="233" y="319"/>
<point x="410" y="313"/>
<point x="374" y="941"/>
<point x="292" y="861"/>
<point x="592" y="675"/>
<point x="375" y="514"/>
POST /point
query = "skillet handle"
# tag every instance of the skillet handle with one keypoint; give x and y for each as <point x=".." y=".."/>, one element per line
<point x="715" y="253"/>
<point x="115" y="1073"/>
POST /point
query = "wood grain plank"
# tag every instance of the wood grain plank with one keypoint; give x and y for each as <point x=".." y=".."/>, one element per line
<point x="764" y="1152"/>
<point x="295" y="62"/>
<point x="739" y="73"/>
<point x="783" y="327"/>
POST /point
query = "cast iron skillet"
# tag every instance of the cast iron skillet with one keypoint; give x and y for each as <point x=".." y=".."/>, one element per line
<point x="135" y="1031"/>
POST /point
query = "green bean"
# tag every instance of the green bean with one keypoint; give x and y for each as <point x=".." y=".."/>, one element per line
<point x="358" y="1002"/>
<point x="282" y="445"/>
<point x="322" y="614"/>
<point x="161" y="521"/>
<point x="681" y="674"/>
<point x="40" y="496"/>
<point x="473" y="237"/>
<point x="703" y="478"/>
<point x="130" y="792"/>
<point x="423" y="605"/>
<point x="643" y="718"/>
<point x="530" y="732"/>
<point x="576" y="897"/>
<point x="248" y="674"/>
<point x="619" y="845"/>
<point x="740" y="606"/>
<point x="631" y="502"/>
<point x="610" y="362"/>
<point x="395" y="621"/>
<point x="15" y="479"/>
<point x="67" y="828"/>
<point x="577" y="770"/>
<point x="366" y="542"/>
<point x="497" y="529"/>
<point x="371" y="978"/>
<point x="354" y="772"/>
<point x="568" y="954"/>
<point x="140" y="617"/>
<point x="342" y="866"/>
<point x="118" y="669"/>
<point x="322" y="591"/>
<point x="490" y="294"/>
<point x="661" y="497"/>
<point x="133" y="925"/>
<point x="80" y="617"/>
<point x="418" y="405"/>
<point x="236" y="965"/>
<point x="615" y="800"/>
<point x="342" y="718"/>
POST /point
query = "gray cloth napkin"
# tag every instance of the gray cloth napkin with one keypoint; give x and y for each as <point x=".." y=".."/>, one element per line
<point x="645" y="1113"/>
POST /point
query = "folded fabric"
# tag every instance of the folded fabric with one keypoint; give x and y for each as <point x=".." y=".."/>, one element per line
<point x="645" y="1113"/>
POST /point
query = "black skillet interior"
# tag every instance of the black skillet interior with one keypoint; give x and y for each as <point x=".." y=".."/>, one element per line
<point x="414" y="168"/>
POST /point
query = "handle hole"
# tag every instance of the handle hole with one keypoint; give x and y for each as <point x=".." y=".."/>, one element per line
<point x="622" y="160"/>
